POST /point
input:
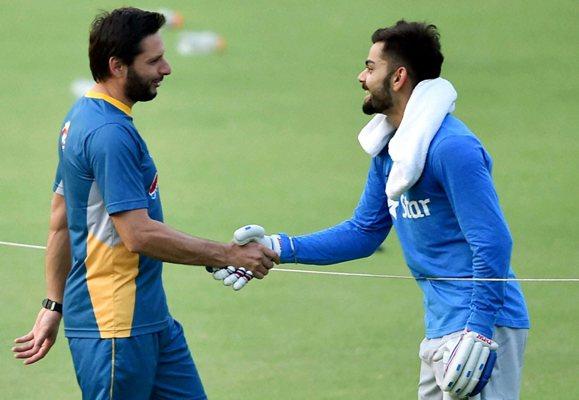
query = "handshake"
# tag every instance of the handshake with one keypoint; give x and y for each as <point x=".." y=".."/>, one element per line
<point x="239" y="277"/>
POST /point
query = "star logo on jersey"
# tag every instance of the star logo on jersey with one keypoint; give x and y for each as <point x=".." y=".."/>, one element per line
<point x="153" y="188"/>
<point x="412" y="209"/>
<point x="415" y="209"/>
<point x="392" y="205"/>
<point x="64" y="134"/>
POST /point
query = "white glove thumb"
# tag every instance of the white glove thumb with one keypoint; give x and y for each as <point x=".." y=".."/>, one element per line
<point x="256" y="233"/>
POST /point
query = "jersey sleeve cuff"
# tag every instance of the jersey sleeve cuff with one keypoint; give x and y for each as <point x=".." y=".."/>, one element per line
<point x="127" y="206"/>
<point x="482" y="323"/>
<point x="58" y="188"/>
<point x="288" y="254"/>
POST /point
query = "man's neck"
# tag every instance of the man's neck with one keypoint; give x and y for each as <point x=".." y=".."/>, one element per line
<point x="397" y="112"/>
<point x="395" y="118"/>
<point x="113" y="90"/>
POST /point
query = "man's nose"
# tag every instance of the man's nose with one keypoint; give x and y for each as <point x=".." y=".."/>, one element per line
<point x="362" y="76"/>
<point x="165" y="69"/>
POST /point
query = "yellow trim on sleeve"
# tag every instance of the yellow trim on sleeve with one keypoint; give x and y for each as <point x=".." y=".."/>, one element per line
<point x="91" y="94"/>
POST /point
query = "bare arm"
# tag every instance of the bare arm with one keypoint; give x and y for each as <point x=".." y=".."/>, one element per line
<point x="34" y="345"/>
<point x="143" y="235"/>
<point x="57" y="259"/>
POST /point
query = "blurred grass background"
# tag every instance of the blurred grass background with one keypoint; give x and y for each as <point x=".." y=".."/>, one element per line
<point x="266" y="133"/>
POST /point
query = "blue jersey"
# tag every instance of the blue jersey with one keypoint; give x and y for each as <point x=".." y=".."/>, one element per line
<point x="105" y="168"/>
<point x="449" y="225"/>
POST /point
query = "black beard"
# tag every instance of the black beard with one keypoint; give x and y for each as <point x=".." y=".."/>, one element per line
<point x="137" y="89"/>
<point x="378" y="105"/>
<point x="382" y="102"/>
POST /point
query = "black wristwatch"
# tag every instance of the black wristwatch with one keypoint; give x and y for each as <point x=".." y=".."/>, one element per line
<point x="52" y="305"/>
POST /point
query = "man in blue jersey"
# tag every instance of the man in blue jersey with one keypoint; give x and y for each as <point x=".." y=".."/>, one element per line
<point x="107" y="238"/>
<point x="450" y="225"/>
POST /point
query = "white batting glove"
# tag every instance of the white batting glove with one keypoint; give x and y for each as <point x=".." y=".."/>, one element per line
<point x="468" y="360"/>
<point x="239" y="277"/>
<point x="231" y="276"/>
<point x="220" y="273"/>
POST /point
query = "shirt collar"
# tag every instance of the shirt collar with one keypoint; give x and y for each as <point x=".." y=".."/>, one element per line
<point x="118" y="104"/>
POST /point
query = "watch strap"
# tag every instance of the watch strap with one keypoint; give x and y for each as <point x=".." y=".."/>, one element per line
<point x="52" y="305"/>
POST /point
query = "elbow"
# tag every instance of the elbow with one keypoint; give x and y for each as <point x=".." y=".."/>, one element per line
<point x="501" y="251"/>
<point x="135" y="242"/>
<point x="133" y="246"/>
<point x="370" y="249"/>
<point x="499" y="242"/>
<point x="508" y="251"/>
<point x="134" y="229"/>
<point x="509" y="237"/>
<point x="368" y="240"/>
<point x="506" y="244"/>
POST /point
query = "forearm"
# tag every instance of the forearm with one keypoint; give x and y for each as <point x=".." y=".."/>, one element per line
<point x="489" y="261"/>
<point x="57" y="264"/>
<point x="143" y="235"/>
<point x="58" y="256"/>
<point x="491" y="243"/>
<point x="343" y="242"/>
<point x="160" y="241"/>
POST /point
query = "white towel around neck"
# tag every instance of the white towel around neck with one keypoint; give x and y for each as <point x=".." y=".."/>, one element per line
<point x="427" y="107"/>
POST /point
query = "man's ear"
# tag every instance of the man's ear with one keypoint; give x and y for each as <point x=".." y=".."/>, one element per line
<point x="399" y="78"/>
<point x="117" y="68"/>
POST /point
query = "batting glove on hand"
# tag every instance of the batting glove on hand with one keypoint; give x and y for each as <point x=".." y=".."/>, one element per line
<point x="468" y="360"/>
<point x="238" y="277"/>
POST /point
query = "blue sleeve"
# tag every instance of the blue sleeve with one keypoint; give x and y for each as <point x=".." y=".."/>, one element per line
<point x="115" y="157"/>
<point x="355" y="238"/>
<point x="464" y="170"/>
<point x="57" y="186"/>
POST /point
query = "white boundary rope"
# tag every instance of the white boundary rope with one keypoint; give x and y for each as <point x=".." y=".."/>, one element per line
<point x="363" y="275"/>
<point x="28" y="246"/>
<point x="428" y="278"/>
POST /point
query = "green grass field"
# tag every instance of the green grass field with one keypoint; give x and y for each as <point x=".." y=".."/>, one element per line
<point x="266" y="133"/>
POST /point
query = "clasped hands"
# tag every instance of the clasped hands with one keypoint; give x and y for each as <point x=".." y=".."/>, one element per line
<point x="238" y="277"/>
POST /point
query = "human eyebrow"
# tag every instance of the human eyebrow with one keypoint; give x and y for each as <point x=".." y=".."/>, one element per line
<point x="369" y="63"/>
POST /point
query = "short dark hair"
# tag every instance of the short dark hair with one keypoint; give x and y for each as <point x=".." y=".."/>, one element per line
<point x="118" y="34"/>
<point x="414" y="45"/>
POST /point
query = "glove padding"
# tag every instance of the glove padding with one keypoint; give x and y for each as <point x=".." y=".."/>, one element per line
<point x="239" y="277"/>
<point x="468" y="360"/>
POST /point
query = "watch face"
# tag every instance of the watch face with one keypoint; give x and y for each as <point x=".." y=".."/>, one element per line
<point x="49" y="304"/>
<point x="52" y="305"/>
